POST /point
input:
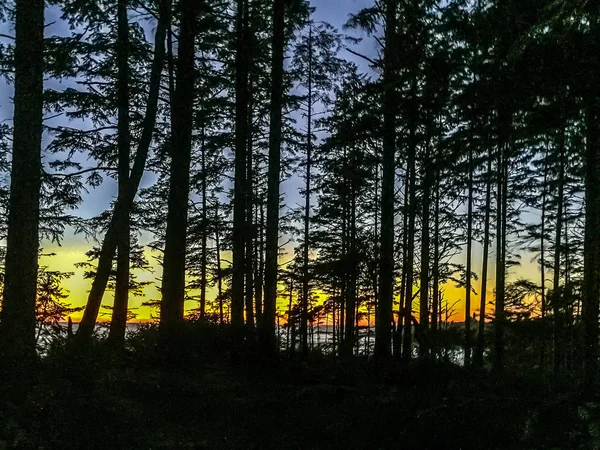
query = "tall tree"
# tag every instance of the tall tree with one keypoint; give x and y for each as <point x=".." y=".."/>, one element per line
<point x="119" y="316"/>
<point x="591" y="289"/>
<point x="173" y="282"/>
<point x="468" y="288"/>
<point x="17" y="328"/>
<point x="383" y="329"/>
<point x="111" y="238"/>
<point x="240" y="173"/>
<point x="274" y="173"/>
<point x="307" y="191"/>
<point x="484" y="267"/>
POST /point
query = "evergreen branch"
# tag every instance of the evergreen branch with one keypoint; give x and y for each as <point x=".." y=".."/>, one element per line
<point x="366" y="58"/>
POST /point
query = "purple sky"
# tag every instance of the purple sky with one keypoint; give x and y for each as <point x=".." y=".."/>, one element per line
<point x="336" y="12"/>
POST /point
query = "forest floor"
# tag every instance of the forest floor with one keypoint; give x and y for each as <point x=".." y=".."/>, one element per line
<point x="95" y="400"/>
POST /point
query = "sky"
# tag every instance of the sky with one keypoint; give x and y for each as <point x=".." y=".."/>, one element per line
<point x="73" y="248"/>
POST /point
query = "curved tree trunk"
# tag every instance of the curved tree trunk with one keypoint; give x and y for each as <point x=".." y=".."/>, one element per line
<point x="110" y="242"/>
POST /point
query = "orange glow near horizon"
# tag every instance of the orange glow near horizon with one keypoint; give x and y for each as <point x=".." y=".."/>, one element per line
<point x="70" y="253"/>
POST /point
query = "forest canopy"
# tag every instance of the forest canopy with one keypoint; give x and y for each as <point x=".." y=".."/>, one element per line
<point x="419" y="180"/>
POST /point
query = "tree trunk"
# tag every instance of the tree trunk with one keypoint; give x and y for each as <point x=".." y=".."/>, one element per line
<point x="351" y="315"/>
<point x="109" y="244"/>
<point x="343" y="274"/>
<point x="21" y="265"/>
<point x="401" y="303"/>
<point x="376" y="251"/>
<point x="384" y="316"/>
<point x="250" y="241"/>
<point x="260" y="267"/>
<point x="273" y="177"/>
<point x="499" y="312"/>
<point x="305" y="272"/>
<point x="500" y="315"/>
<point x="173" y="282"/>
<point x="289" y="318"/>
<point x="435" y="307"/>
<point x="505" y="144"/>
<point x="484" y="268"/>
<point x="412" y="209"/>
<point x="467" y="348"/>
<point x="424" y="279"/>
<point x="241" y="158"/>
<point x="333" y="323"/>
<point x="118" y="323"/>
<point x="219" y="274"/>
<point x="543" y="263"/>
<point x="558" y="300"/>
<point x="204" y="244"/>
<point x="591" y="253"/>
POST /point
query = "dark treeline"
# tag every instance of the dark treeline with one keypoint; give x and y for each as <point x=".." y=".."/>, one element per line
<point x="471" y="143"/>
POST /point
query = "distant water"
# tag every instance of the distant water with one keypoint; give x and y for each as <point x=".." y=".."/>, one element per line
<point x="320" y="337"/>
<point x="103" y="328"/>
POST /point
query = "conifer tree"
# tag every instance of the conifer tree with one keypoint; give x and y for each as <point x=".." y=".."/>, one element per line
<point x="17" y="328"/>
<point x="173" y="282"/>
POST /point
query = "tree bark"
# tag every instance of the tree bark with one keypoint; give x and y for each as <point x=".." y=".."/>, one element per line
<point x="591" y="270"/>
<point x="467" y="348"/>
<point x="435" y="307"/>
<point x="118" y="322"/>
<point x="543" y="262"/>
<point x="240" y="177"/>
<point x="250" y="226"/>
<point x="412" y="209"/>
<point x="484" y="268"/>
<point x="499" y="312"/>
<point x="402" y="302"/>
<point x="306" y="248"/>
<point x="204" y="244"/>
<point x="351" y="304"/>
<point x="557" y="303"/>
<point x="17" y="328"/>
<point x="502" y="185"/>
<point x="425" y="244"/>
<point x="384" y="316"/>
<point x="218" y="255"/>
<point x="173" y="282"/>
<point x="273" y="177"/>
<point x="260" y="266"/>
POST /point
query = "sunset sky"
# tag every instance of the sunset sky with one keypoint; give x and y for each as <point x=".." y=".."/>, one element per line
<point x="74" y="246"/>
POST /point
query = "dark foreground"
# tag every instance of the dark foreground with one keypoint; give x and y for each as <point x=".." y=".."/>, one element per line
<point x="210" y="399"/>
